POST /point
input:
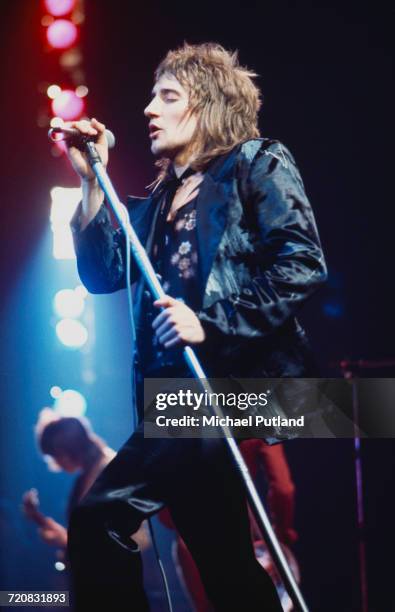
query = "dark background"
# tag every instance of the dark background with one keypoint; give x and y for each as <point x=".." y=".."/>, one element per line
<point x="326" y="76"/>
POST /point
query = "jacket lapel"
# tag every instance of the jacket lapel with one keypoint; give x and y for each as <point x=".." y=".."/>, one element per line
<point x="212" y="211"/>
<point x="143" y="213"/>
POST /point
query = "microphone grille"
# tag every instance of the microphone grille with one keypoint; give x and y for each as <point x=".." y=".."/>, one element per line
<point x="110" y="139"/>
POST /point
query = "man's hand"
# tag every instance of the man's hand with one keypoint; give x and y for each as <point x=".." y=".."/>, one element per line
<point x="177" y="324"/>
<point x="79" y="160"/>
<point x="53" y="533"/>
<point x="92" y="195"/>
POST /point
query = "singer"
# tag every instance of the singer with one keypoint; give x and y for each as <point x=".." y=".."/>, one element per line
<point x="231" y="232"/>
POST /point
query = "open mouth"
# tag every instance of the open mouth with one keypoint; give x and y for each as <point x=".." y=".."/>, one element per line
<point x="154" y="131"/>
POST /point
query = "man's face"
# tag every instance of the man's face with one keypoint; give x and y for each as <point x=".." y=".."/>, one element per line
<point x="171" y="124"/>
<point x="66" y="463"/>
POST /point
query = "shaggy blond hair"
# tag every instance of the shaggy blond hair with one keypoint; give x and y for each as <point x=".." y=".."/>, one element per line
<point x="221" y="93"/>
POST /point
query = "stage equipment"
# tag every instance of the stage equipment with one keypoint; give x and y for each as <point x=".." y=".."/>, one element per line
<point x="350" y="370"/>
<point x="74" y="137"/>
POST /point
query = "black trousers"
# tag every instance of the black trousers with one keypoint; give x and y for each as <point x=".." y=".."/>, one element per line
<point x="196" y="480"/>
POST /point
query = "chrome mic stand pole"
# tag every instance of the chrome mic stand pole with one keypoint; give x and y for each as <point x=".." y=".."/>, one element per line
<point x="157" y="292"/>
<point x="360" y="509"/>
<point x="348" y="374"/>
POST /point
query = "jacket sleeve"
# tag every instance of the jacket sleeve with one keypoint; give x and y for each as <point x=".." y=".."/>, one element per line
<point x="288" y="264"/>
<point x="100" y="251"/>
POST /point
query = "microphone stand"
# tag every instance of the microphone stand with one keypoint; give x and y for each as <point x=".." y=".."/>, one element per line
<point x="157" y="292"/>
<point x="350" y="371"/>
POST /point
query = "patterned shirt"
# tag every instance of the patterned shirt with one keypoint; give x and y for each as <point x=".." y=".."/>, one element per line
<point x="175" y="258"/>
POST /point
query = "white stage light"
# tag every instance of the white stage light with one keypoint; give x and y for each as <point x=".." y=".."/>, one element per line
<point x="70" y="403"/>
<point x="81" y="291"/>
<point x="72" y="333"/>
<point x="55" y="391"/>
<point x="68" y="304"/>
<point x="64" y="204"/>
<point x="59" y="566"/>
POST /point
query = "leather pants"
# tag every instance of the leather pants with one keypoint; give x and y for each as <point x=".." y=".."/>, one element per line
<point x="197" y="481"/>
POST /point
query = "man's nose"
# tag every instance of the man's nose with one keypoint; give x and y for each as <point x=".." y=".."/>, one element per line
<point x="152" y="110"/>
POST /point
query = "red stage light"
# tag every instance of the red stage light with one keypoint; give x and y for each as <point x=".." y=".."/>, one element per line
<point x="68" y="105"/>
<point x="59" y="7"/>
<point x="62" y="34"/>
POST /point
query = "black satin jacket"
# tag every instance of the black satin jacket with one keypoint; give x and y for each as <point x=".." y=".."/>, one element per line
<point x="260" y="258"/>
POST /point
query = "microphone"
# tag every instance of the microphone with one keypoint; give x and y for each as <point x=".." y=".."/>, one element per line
<point x="74" y="138"/>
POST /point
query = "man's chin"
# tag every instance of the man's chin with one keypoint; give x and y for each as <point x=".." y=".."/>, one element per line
<point x="160" y="150"/>
<point x="157" y="149"/>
